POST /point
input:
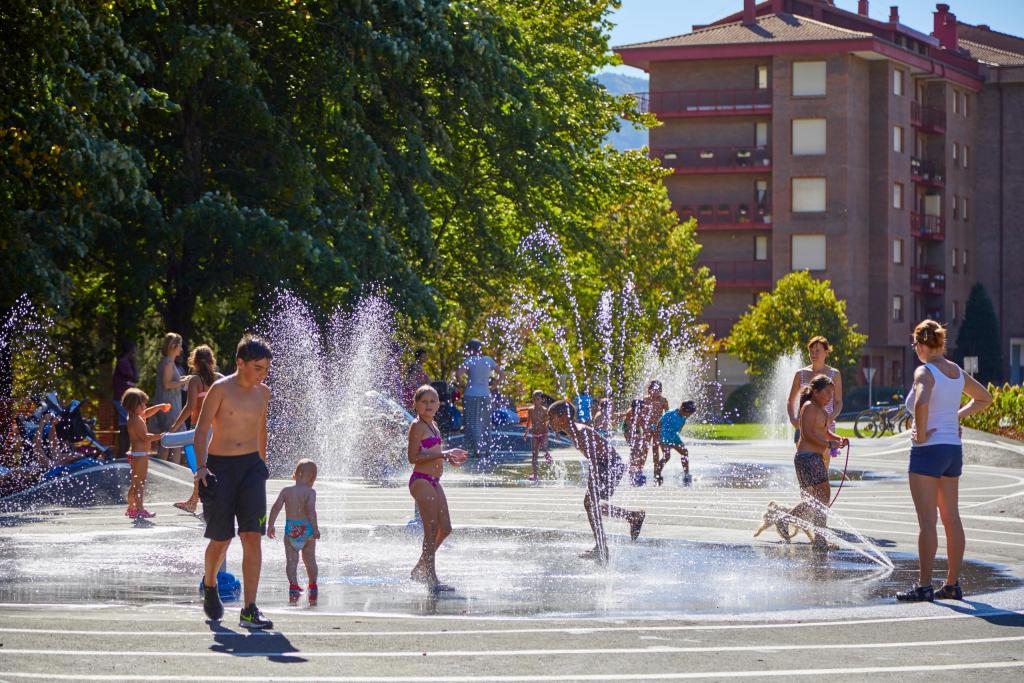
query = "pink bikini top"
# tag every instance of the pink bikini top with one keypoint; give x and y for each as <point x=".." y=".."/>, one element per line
<point x="431" y="441"/>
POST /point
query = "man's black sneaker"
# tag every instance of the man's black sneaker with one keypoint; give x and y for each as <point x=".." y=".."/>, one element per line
<point x="252" y="618"/>
<point x="917" y="594"/>
<point x="948" y="592"/>
<point x="212" y="605"/>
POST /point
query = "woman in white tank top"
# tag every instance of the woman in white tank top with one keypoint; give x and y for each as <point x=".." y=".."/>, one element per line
<point x="936" y="457"/>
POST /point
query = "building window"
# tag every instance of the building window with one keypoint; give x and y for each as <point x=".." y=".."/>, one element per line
<point x="965" y="208"/>
<point x="956" y="265"/>
<point x="897" y="252"/>
<point x="956" y="153"/>
<point x="897" y="138"/>
<point x="808" y="252"/>
<point x="761" y="194"/>
<point x="761" y="248"/>
<point x="965" y="105"/>
<point x="762" y="77"/>
<point x="808" y="79"/>
<point x="897" y="308"/>
<point x="956" y="311"/>
<point x="897" y="195"/>
<point x="956" y="102"/>
<point x="808" y="136"/>
<point x="761" y="133"/>
<point x="808" y="195"/>
<point x="897" y="82"/>
<point x="956" y="207"/>
<point x="965" y="262"/>
<point x="967" y="149"/>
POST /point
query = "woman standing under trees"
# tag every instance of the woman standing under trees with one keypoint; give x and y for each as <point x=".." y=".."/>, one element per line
<point x="169" y="383"/>
<point x="818" y="349"/>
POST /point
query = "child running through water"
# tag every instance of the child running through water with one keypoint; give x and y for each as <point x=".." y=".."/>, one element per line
<point x="670" y="424"/>
<point x="815" y="440"/>
<point x="301" y="529"/>
<point x="537" y="430"/>
<point x="605" y="471"/>
<point x="134" y="402"/>
<point x="427" y="458"/>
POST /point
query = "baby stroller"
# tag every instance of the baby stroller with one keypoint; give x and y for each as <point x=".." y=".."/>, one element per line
<point x="72" y="428"/>
<point x="448" y="417"/>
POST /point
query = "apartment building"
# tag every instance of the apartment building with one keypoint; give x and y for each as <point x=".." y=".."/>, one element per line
<point x="804" y="136"/>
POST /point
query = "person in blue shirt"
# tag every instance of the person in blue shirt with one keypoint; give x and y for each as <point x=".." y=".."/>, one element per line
<point x="669" y="426"/>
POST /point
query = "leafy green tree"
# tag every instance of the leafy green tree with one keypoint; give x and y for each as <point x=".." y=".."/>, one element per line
<point x="979" y="336"/>
<point x="782" y="320"/>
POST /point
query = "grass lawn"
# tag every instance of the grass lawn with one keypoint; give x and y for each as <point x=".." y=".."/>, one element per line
<point x="740" y="432"/>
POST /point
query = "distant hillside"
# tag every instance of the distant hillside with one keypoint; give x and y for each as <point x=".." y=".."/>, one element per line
<point x="619" y="84"/>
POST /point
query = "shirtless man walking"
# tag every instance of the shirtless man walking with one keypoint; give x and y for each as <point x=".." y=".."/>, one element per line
<point x="232" y="475"/>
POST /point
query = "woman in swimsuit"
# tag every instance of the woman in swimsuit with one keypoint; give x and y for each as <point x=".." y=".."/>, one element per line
<point x="818" y="349"/>
<point x="203" y="366"/>
<point x="428" y="458"/>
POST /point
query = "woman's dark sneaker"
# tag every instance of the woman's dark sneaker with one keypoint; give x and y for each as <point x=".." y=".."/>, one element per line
<point x="252" y="618"/>
<point x="948" y="592"/>
<point x="917" y="594"/>
<point x="212" y="605"/>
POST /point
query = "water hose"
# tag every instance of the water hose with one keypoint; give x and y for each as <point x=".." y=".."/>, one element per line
<point x="843" y="480"/>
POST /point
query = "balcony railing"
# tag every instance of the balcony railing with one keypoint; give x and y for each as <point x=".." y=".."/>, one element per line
<point x="928" y="280"/>
<point x="926" y="172"/>
<point x="929" y="119"/>
<point x="736" y="159"/>
<point x="717" y="102"/>
<point x="727" y="216"/>
<point x="925" y="227"/>
<point x="741" y="273"/>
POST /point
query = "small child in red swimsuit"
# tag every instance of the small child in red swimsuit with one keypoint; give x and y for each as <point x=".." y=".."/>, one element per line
<point x="537" y="430"/>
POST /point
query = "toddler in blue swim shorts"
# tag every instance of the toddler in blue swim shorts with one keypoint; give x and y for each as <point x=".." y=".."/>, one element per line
<point x="301" y="530"/>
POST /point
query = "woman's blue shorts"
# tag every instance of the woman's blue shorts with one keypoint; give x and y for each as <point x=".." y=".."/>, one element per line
<point x="939" y="460"/>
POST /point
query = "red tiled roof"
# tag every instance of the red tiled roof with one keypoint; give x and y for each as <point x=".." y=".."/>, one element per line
<point x="772" y="28"/>
<point x="991" y="55"/>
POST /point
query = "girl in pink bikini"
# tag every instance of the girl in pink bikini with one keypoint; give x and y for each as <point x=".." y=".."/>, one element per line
<point x="427" y="458"/>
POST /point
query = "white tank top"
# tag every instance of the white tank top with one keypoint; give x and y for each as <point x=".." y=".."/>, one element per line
<point x="943" y="407"/>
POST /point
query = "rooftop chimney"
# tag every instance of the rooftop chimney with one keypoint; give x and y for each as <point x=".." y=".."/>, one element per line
<point x="777" y="7"/>
<point x="749" y="12"/>
<point x="894" y="15"/>
<point x="862" y="7"/>
<point x="945" y="27"/>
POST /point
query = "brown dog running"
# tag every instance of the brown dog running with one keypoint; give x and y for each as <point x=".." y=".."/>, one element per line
<point x="782" y="519"/>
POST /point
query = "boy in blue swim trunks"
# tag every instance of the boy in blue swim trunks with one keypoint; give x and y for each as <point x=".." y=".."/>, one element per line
<point x="301" y="530"/>
<point x="669" y="426"/>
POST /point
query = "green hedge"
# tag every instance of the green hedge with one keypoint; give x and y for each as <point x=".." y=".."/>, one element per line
<point x="1005" y="415"/>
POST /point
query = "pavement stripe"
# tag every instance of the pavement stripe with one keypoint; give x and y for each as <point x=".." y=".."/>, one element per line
<point x="566" y="652"/>
<point x="759" y="673"/>
<point x="569" y="630"/>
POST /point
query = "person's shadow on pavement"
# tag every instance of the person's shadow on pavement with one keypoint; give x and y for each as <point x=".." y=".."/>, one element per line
<point x="982" y="610"/>
<point x="270" y="644"/>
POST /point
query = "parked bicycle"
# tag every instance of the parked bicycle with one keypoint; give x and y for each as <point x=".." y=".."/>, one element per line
<point x="877" y="420"/>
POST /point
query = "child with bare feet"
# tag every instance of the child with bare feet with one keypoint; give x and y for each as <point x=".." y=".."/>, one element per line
<point x="301" y="530"/>
<point x="670" y="425"/>
<point x="427" y="458"/>
<point x="605" y="471"/>
<point x="815" y="440"/>
<point x="537" y="430"/>
<point x="134" y="402"/>
<point x="604" y="418"/>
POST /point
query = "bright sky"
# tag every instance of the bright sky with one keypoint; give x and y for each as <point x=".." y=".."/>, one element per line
<point x="640" y="20"/>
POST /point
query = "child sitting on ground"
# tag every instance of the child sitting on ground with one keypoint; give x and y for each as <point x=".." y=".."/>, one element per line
<point x="669" y="426"/>
<point x="301" y="529"/>
<point x="537" y="430"/>
<point x="134" y="402"/>
<point x="605" y="471"/>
